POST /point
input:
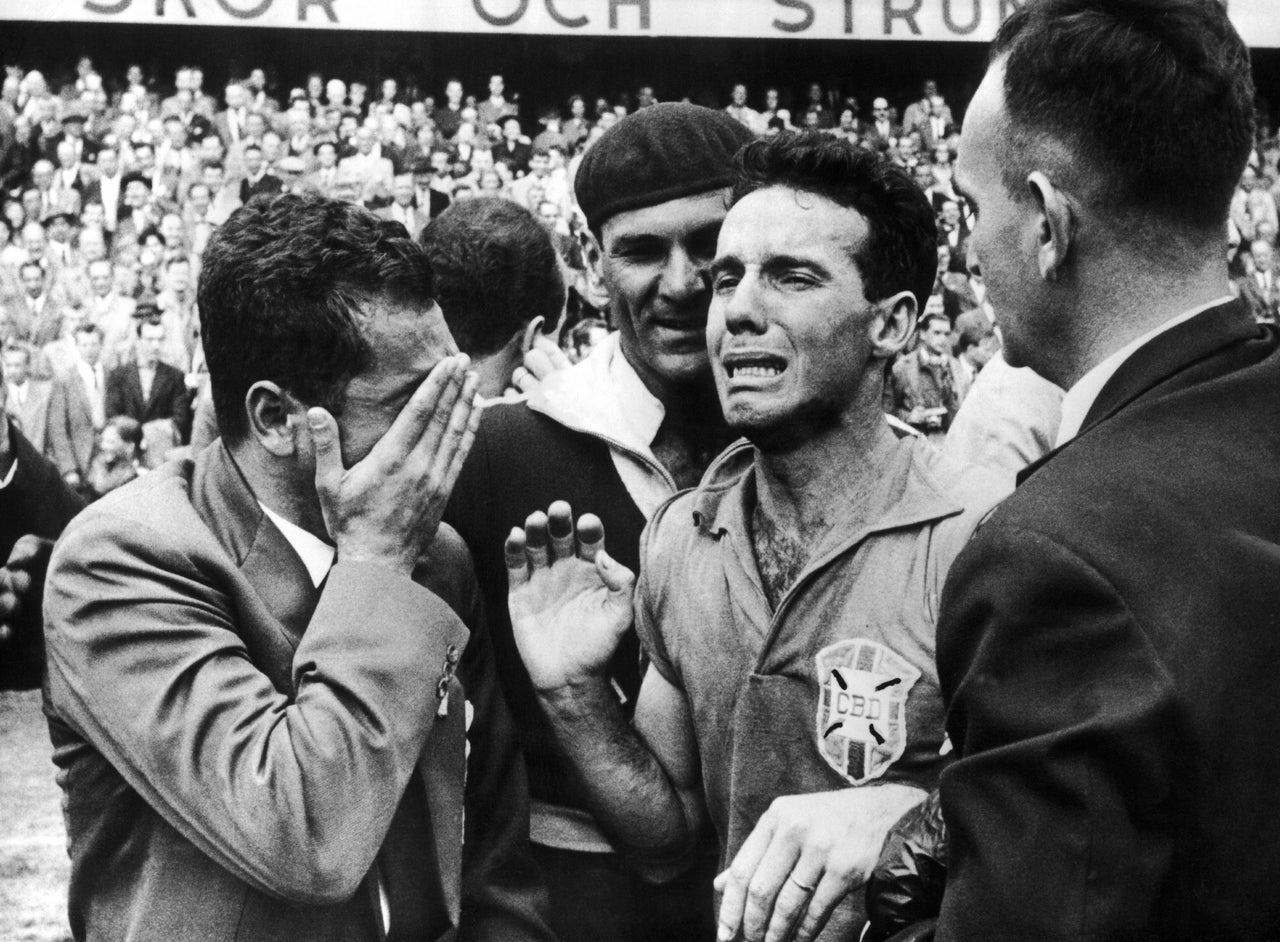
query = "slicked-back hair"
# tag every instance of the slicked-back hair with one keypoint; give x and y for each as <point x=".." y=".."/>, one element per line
<point x="287" y="285"/>
<point x="1149" y="104"/>
<point x="495" y="269"/>
<point x="900" y="251"/>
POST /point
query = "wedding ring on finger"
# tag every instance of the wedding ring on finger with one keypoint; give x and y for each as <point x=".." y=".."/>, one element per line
<point x="807" y="889"/>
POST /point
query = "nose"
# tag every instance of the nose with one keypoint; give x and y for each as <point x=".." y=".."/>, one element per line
<point x="744" y="307"/>
<point x="684" y="276"/>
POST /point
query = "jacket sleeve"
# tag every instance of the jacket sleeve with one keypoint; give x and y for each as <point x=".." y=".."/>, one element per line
<point x="292" y="793"/>
<point x="178" y="407"/>
<point x="1066" y="728"/>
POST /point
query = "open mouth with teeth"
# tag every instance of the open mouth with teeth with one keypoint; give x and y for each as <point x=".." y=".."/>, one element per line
<point x="761" y="367"/>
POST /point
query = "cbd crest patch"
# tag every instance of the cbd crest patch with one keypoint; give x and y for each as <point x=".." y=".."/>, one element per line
<point x="862" y="707"/>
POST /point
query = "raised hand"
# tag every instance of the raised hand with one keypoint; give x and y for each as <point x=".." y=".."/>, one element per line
<point x="570" y="601"/>
<point x="386" y="507"/>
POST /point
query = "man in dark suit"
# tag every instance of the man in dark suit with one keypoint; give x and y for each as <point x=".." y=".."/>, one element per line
<point x="512" y="150"/>
<point x="258" y="178"/>
<point x="34" y="507"/>
<point x="149" y="390"/>
<point x="1108" y="642"/>
<point x="319" y="708"/>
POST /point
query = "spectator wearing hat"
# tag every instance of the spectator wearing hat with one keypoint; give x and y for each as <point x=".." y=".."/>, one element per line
<point x="621" y="431"/>
<point x="85" y="148"/>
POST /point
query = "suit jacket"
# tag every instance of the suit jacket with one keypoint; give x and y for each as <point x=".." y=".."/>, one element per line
<point x="36" y="500"/>
<point x="72" y="435"/>
<point x="33" y="415"/>
<point x="290" y="737"/>
<point x="168" y="399"/>
<point x="1108" y="648"/>
<point x="268" y="183"/>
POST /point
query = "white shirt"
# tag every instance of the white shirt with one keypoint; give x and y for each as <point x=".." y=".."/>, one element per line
<point x="92" y="377"/>
<point x="1081" y="397"/>
<point x="643" y="417"/>
<point x="316" y="555"/>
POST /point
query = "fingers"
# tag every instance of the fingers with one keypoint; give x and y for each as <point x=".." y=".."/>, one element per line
<point x="770" y="894"/>
<point x="542" y="361"/>
<point x="517" y="562"/>
<point x="734" y="882"/>
<point x="524" y="381"/>
<point x="560" y="529"/>
<point x="794" y="900"/>
<point x="438" y="392"/>
<point x="445" y="448"/>
<point x="616" y="577"/>
<point x="535" y="532"/>
<point x="590" y="537"/>
<point x="830" y="890"/>
<point x="328" y="453"/>
<point x="551" y="350"/>
<point x="29" y="551"/>
<point x="464" y="447"/>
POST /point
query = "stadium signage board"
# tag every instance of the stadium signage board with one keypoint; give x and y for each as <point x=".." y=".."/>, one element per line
<point x="937" y="20"/>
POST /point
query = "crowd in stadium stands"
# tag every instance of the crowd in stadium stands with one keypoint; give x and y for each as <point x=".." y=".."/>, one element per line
<point x="111" y="190"/>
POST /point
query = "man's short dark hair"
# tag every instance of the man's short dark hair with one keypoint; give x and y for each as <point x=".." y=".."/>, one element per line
<point x="899" y="253"/>
<point x="495" y="269"/>
<point x="1149" y="102"/>
<point x="87" y="328"/>
<point x="927" y="319"/>
<point x="285" y="286"/>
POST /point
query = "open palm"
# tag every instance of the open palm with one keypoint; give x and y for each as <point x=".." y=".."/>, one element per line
<point x="570" y="602"/>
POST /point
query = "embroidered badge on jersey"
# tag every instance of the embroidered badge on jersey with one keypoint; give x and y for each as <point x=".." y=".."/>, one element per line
<point x="862" y="707"/>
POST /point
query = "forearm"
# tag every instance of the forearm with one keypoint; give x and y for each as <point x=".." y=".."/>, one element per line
<point x="291" y="791"/>
<point x="644" y="811"/>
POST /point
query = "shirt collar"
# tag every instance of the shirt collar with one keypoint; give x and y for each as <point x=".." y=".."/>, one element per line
<point x="644" y="412"/>
<point x="1081" y="397"/>
<point x="316" y="555"/>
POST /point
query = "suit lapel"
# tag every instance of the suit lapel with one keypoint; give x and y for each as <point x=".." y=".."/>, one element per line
<point x="226" y="504"/>
<point x="1169" y="354"/>
<point x="1158" y="361"/>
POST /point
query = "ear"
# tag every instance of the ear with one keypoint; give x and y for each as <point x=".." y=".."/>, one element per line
<point x="275" y="418"/>
<point x="1057" y="225"/>
<point x="893" y="324"/>
<point x="531" y="332"/>
<point x="593" y="256"/>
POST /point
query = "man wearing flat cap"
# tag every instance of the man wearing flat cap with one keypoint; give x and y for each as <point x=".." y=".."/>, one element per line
<point x="619" y="432"/>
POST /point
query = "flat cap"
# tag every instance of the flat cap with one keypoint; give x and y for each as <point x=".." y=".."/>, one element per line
<point x="660" y="153"/>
